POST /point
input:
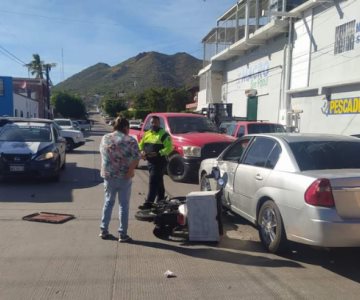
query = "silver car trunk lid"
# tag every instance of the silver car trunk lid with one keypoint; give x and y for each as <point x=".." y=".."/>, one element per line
<point x="345" y="185"/>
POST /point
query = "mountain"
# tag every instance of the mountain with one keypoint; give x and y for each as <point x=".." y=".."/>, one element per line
<point x="143" y="71"/>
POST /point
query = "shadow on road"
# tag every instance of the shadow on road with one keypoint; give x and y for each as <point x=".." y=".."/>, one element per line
<point x="43" y="191"/>
<point x="80" y="151"/>
<point x="223" y="255"/>
<point x="342" y="261"/>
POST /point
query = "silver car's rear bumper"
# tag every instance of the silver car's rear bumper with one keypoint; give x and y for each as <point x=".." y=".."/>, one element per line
<point x="325" y="228"/>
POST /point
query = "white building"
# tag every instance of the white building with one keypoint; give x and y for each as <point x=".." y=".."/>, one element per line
<point x="293" y="62"/>
<point x="25" y="107"/>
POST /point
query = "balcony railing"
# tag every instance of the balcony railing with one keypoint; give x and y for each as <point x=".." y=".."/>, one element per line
<point x="240" y="21"/>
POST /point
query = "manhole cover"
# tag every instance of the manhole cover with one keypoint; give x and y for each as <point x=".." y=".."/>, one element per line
<point x="48" y="217"/>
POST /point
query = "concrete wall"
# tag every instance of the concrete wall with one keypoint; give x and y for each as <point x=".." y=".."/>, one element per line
<point x="261" y="69"/>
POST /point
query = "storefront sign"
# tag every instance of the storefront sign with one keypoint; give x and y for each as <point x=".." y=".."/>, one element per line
<point x="256" y="74"/>
<point x="342" y="106"/>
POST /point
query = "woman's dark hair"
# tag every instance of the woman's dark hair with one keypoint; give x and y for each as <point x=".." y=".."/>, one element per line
<point x="121" y="124"/>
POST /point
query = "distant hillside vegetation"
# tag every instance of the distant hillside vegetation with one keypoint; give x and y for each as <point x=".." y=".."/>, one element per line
<point x="146" y="70"/>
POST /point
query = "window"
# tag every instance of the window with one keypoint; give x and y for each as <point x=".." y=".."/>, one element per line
<point x="21" y="113"/>
<point x="344" y="37"/>
<point x="321" y="155"/>
<point x="241" y="131"/>
<point x="16" y="113"/>
<point x="265" y="128"/>
<point x="186" y="124"/>
<point x="260" y="153"/>
<point x="148" y="124"/>
<point x="273" y="157"/>
<point x="235" y="151"/>
<point x="1" y="87"/>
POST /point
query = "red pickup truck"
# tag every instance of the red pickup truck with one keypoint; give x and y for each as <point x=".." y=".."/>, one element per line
<point x="194" y="138"/>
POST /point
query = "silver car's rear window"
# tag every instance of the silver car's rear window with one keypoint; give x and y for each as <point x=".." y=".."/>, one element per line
<point x="323" y="155"/>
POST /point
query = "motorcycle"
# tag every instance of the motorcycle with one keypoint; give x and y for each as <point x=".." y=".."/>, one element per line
<point x="183" y="218"/>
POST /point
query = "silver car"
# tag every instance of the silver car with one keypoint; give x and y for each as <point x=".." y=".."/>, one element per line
<point x="298" y="187"/>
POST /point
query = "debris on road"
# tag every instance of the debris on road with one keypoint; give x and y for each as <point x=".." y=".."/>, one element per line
<point x="48" y="217"/>
<point x="169" y="274"/>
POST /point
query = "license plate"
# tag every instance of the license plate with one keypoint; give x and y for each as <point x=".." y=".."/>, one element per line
<point x="17" y="168"/>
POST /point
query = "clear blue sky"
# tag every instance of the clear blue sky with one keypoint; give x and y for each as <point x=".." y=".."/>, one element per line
<point x="92" y="31"/>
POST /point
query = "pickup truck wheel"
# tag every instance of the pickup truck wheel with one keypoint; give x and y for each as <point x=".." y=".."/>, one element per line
<point x="69" y="144"/>
<point x="176" y="169"/>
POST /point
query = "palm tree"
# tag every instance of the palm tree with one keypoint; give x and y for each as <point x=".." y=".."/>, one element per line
<point x="38" y="68"/>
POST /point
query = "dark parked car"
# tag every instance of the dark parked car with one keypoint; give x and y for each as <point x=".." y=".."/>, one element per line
<point x="32" y="148"/>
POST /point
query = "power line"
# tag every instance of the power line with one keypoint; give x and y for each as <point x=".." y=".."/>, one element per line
<point x="11" y="56"/>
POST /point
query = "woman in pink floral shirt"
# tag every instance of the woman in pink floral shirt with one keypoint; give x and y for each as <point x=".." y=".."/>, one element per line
<point x="119" y="158"/>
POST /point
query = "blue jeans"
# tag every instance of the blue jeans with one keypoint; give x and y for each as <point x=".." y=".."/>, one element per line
<point x="121" y="187"/>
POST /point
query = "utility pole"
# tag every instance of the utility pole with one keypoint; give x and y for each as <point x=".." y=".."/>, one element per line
<point x="47" y="74"/>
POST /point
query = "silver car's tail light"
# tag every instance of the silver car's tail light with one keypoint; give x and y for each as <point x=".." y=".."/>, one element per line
<point x="319" y="193"/>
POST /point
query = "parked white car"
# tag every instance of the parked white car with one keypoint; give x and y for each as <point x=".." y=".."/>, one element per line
<point x="66" y="124"/>
<point x="84" y="125"/>
<point x="135" y="124"/>
<point x="74" y="138"/>
<point x="297" y="187"/>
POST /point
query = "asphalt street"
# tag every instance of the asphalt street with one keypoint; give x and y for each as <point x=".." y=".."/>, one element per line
<point x="70" y="261"/>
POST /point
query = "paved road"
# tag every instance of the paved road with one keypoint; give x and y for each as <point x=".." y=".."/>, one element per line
<point x="69" y="261"/>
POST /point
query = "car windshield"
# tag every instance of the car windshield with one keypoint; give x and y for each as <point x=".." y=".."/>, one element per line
<point x="15" y="133"/>
<point x="265" y="128"/>
<point x="228" y="127"/>
<point x="323" y="155"/>
<point x="179" y="125"/>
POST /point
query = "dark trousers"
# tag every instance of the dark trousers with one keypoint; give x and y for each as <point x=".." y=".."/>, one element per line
<point x="156" y="181"/>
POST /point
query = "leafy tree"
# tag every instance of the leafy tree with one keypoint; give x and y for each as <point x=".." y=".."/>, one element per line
<point x="113" y="105"/>
<point x="163" y="99"/>
<point x="67" y="105"/>
<point x="177" y="99"/>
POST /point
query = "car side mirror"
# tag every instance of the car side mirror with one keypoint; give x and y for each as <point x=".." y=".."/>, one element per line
<point x="61" y="139"/>
<point x="215" y="173"/>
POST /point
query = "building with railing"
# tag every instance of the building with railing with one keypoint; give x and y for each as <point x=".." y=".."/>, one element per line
<point x="286" y="61"/>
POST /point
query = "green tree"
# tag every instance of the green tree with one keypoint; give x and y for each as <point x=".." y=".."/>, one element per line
<point x="113" y="105"/>
<point x="162" y="99"/>
<point x="177" y="99"/>
<point x="67" y="105"/>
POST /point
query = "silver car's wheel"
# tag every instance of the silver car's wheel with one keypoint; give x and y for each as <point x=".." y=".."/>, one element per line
<point x="205" y="183"/>
<point x="271" y="228"/>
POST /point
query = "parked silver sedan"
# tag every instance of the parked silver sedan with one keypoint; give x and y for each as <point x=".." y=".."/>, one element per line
<point x="298" y="187"/>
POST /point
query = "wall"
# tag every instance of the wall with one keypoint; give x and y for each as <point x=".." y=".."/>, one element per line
<point x="29" y="107"/>
<point x="334" y="104"/>
<point x="6" y="97"/>
<point x="261" y="69"/>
